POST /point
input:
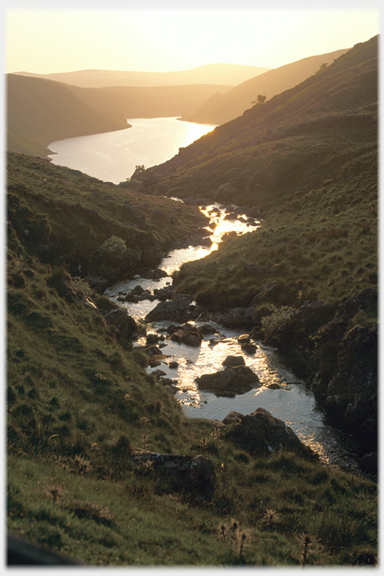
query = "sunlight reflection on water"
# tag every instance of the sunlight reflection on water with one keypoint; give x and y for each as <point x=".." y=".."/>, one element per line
<point x="292" y="402"/>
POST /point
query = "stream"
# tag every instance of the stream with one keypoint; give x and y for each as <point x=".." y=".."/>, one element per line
<point x="291" y="401"/>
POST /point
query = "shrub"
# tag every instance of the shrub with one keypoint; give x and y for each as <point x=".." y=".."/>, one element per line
<point x="276" y="323"/>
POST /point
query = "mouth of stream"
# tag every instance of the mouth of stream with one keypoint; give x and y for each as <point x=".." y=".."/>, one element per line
<point x="281" y="392"/>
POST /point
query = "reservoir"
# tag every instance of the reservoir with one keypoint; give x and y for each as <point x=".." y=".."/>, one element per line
<point x="113" y="156"/>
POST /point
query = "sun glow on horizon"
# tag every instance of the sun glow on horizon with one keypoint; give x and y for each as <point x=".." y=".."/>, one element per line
<point x="45" y="41"/>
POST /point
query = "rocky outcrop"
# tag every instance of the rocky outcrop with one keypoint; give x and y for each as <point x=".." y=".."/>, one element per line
<point x="350" y="392"/>
<point x="193" y="472"/>
<point x="229" y="382"/>
<point x="337" y="354"/>
<point x="260" y="433"/>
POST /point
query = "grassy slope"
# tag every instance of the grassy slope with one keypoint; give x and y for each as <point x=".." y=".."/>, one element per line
<point x="69" y="215"/>
<point x="309" y="158"/>
<point x="79" y="399"/>
<point x="222" y="108"/>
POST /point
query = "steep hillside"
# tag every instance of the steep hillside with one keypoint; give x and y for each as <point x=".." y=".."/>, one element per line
<point x="222" y="108"/>
<point x="229" y="74"/>
<point x="298" y="138"/>
<point x="41" y="111"/>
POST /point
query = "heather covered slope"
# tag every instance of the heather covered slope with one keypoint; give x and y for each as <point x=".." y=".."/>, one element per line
<point x="222" y="108"/>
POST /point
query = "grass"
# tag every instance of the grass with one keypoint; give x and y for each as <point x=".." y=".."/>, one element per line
<point x="79" y="400"/>
<point x="247" y="521"/>
<point x="78" y="397"/>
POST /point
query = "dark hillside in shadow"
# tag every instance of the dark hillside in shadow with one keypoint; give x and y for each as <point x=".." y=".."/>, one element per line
<point x="222" y="108"/>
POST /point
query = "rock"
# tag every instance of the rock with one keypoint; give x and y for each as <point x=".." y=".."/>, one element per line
<point x="234" y="361"/>
<point x="206" y="329"/>
<point x="232" y="417"/>
<point x="193" y="472"/>
<point x="207" y="241"/>
<point x="125" y="323"/>
<point x="232" y="380"/>
<point x="177" y="310"/>
<point x="185" y="334"/>
<point x="153" y="351"/>
<point x="350" y="391"/>
<point x="152" y="338"/>
<point x="97" y="283"/>
<point x="158" y="373"/>
<point x="249" y="348"/>
<point x="244" y="339"/>
<point x="369" y="463"/>
<point x="173" y="364"/>
<point x="274" y="386"/>
<point x="255" y="211"/>
<point x="236" y="318"/>
<point x="164" y="293"/>
<point x="261" y="433"/>
<point x="192" y="339"/>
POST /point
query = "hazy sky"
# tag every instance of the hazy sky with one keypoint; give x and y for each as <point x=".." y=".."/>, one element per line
<point x="44" y="37"/>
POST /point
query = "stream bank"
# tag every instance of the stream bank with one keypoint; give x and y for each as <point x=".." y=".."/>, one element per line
<point x="178" y="361"/>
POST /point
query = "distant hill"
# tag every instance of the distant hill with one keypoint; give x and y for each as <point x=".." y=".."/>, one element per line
<point x="41" y="111"/>
<point x="221" y="108"/>
<point x="147" y="102"/>
<point x="227" y="74"/>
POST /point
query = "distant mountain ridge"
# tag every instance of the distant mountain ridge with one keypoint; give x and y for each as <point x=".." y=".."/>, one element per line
<point x="222" y="108"/>
<point x="227" y="74"/>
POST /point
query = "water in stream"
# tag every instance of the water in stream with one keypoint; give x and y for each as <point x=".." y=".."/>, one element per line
<point x="292" y="402"/>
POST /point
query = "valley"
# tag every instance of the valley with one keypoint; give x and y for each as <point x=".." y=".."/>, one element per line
<point x="86" y="417"/>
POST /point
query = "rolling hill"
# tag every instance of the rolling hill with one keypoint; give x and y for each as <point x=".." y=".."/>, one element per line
<point x="222" y="108"/>
<point x="41" y="111"/>
<point x="227" y="74"/>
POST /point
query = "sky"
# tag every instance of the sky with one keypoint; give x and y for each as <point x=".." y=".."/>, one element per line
<point x="48" y="37"/>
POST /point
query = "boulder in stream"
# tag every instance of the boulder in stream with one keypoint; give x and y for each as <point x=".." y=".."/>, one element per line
<point x="233" y="380"/>
<point x="177" y="310"/>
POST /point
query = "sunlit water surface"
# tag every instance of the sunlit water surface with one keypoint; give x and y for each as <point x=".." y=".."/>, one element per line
<point x="292" y="402"/>
<point x="113" y="156"/>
